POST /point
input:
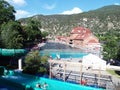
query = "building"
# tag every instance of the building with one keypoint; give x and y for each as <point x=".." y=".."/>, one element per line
<point x="83" y="38"/>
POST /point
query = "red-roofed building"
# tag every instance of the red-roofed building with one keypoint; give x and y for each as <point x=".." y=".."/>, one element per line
<point x="82" y="37"/>
<point x="61" y="38"/>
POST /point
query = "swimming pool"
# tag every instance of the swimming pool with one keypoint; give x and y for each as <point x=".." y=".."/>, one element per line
<point x="63" y="53"/>
<point x="52" y="85"/>
<point x="59" y="85"/>
<point x="27" y="82"/>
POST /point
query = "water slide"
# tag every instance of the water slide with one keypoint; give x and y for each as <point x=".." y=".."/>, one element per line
<point x="12" y="52"/>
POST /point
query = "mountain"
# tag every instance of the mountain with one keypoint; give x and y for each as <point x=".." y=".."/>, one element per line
<point x="98" y="21"/>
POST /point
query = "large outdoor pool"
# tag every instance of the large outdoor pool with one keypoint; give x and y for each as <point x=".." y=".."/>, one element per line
<point x="63" y="53"/>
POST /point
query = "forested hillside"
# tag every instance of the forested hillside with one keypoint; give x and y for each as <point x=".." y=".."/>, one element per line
<point x="99" y="21"/>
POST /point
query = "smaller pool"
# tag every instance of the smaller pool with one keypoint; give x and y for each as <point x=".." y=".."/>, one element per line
<point x="63" y="53"/>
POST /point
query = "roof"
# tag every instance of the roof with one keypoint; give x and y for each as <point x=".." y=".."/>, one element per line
<point x="93" y="41"/>
<point x="80" y="33"/>
<point x="63" y="38"/>
<point x="80" y="30"/>
<point x="83" y="36"/>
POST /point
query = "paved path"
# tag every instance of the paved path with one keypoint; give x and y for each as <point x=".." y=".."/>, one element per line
<point x="111" y="67"/>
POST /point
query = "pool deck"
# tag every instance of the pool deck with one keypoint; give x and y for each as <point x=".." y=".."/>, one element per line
<point x="75" y="67"/>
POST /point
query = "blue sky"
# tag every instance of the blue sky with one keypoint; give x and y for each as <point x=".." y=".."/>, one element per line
<point x="27" y="8"/>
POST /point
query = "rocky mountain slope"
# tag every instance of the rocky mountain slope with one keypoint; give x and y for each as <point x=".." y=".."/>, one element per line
<point x="99" y="21"/>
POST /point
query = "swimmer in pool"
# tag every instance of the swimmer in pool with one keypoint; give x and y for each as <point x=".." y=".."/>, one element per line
<point x="38" y="85"/>
<point x="45" y="86"/>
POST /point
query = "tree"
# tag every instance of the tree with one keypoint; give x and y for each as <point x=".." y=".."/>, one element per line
<point x="110" y="47"/>
<point x="32" y="30"/>
<point x="35" y="64"/>
<point x="6" y="12"/>
<point x="118" y="54"/>
<point x="12" y="35"/>
<point x="44" y="34"/>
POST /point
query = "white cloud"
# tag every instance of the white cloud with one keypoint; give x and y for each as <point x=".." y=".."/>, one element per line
<point x="49" y="7"/>
<point x="75" y="10"/>
<point x="21" y="14"/>
<point x="17" y="2"/>
<point x="116" y="3"/>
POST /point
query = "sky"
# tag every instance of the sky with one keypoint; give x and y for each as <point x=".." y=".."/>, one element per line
<point x="28" y="8"/>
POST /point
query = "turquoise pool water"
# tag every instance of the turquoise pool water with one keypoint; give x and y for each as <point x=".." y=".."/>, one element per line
<point x="63" y="53"/>
<point x="58" y="85"/>
<point x="28" y="82"/>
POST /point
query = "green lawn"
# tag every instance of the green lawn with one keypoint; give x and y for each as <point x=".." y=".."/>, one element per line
<point x="112" y="72"/>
